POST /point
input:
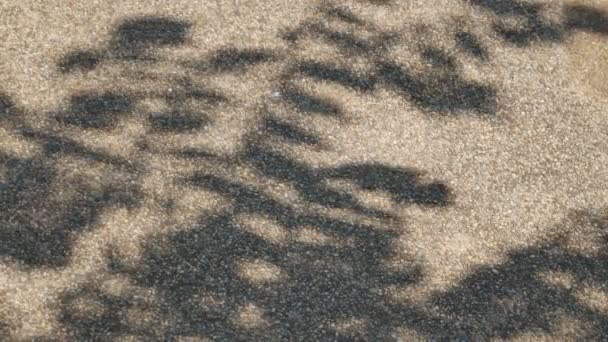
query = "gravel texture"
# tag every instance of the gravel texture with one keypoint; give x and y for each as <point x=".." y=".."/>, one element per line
<point x="376" y="170"/>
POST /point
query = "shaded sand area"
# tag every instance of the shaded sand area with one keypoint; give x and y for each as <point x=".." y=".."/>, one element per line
<point x="303" y="170"/>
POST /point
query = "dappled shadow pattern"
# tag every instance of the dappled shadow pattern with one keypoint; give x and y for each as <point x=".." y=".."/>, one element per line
<point x="38" y="227"/>
<point x="524" y="294"/>
<point x="56" y="146"/>
<point x="43" y="211"/>
<point x="40" y="217"/>
<point x="321" y="283"/>
<point x="222" y="280"/>
<point x="225" y="278"/>
<point x="441" y="89"/>
<point x="316" y="265"/>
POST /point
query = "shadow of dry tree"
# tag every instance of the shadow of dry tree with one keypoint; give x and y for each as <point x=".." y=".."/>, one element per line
<point x="286" y="249"/>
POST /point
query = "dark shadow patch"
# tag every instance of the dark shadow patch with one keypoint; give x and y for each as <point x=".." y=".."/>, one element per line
<point x="470" y="44"/>
<point x="309" y="103"/>
<point x="177" y="122"/>
<point x="586" y="18"/>
<point x="98" y="111"/>
<point x="378" y="2"/>
<point x="309" y="182"/>
<point x="534" y="27"/>
<point x="342" y="14"/>
<point x="439" y="58"/>
<point x="402" y="185"/>
<point x="134" y="37"/>
<point x="195" y="154"/>
<point x="532" y="32"/>
<point x="289" y="132"/>
<point x="343" y="76"/>
<point x="444" y="93"/>
<point x="5" y="331"/>
<point x="79" y="61"/>
<point x="237" y="60"/>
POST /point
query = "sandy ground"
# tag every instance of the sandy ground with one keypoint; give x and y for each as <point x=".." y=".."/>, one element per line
<point x="377" y="170"/>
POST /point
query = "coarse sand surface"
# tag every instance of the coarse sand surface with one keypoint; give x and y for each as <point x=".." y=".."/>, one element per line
<point x="378" y="170"/>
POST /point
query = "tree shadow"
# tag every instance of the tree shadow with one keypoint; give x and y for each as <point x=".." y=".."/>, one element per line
<point x="317" y="266"/>
<point x="227" y="277"/>
<point x="331" y="273"/>
<point x="38" y="228"/>
<point x="442" y="89"/>
<point x="42" y="217"/>
<point x="525" y="293"/>
<point x="222" y="281"/>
